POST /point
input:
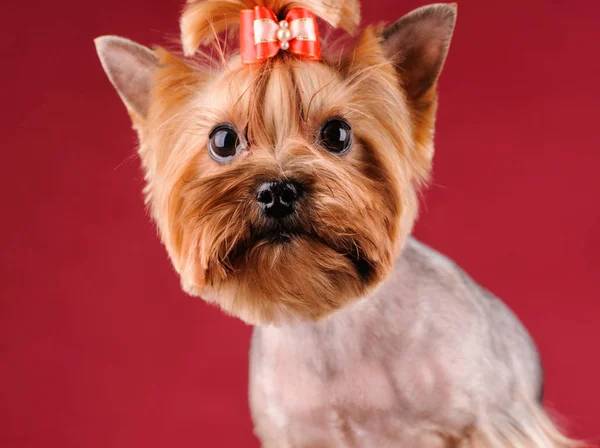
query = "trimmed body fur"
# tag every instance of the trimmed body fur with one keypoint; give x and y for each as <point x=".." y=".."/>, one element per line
<point x="430" y="359"/>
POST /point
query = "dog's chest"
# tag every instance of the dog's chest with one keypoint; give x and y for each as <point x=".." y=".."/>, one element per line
<point x="319" y="392"/>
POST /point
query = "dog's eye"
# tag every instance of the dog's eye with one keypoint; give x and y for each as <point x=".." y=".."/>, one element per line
<point x="224" y="143"/>
<point x="336" y="136"/>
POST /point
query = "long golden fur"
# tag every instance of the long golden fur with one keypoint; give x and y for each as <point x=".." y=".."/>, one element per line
<point x="362" y="206"/>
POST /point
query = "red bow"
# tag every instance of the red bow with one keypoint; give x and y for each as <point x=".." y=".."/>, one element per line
<point x="262" y="37"/>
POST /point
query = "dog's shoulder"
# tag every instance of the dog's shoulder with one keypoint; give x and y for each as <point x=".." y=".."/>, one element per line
<point x="431" y="269"/>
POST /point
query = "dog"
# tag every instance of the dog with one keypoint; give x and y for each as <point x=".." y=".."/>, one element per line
<point x="284" y="183"/>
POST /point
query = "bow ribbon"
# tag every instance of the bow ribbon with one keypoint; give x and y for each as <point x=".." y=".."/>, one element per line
<point x="262" y="37"/>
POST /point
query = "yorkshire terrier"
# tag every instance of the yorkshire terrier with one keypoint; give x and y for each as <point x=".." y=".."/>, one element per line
<point x="284" y="184"/>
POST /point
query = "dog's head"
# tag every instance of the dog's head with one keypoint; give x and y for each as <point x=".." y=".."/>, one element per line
<point x="285" y="190"/>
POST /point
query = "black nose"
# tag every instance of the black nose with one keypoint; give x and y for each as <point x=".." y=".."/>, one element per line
<point x="277" y="199"/>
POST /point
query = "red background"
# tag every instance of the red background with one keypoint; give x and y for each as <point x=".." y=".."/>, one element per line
<point x="99" y="348"/>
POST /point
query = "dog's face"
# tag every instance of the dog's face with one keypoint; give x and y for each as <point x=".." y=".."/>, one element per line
<point x="285" y="190"/>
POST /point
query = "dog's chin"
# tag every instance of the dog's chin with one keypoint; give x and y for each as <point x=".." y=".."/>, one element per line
<point x="285" y="276"/>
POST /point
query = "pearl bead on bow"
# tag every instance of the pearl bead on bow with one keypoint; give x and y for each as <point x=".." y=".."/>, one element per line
<point x="284" y="35"/>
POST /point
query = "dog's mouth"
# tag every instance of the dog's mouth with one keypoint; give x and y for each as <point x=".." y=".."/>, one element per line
<point x="278" y="235"/>
<point x="281" y="235"/>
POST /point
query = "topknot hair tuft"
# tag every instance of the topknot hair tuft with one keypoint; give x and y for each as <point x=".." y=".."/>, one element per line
<point x="203" y="20"/>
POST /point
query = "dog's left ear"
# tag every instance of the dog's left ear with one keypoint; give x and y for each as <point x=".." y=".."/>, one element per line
<point x="417" y="44"/>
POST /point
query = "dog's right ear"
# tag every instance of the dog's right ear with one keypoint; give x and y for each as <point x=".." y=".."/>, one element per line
<point x="130" y="68"/>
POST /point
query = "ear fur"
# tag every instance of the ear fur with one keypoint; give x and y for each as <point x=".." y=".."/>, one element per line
<point x="417" y="44"/>
<point x="130" y="67"/>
